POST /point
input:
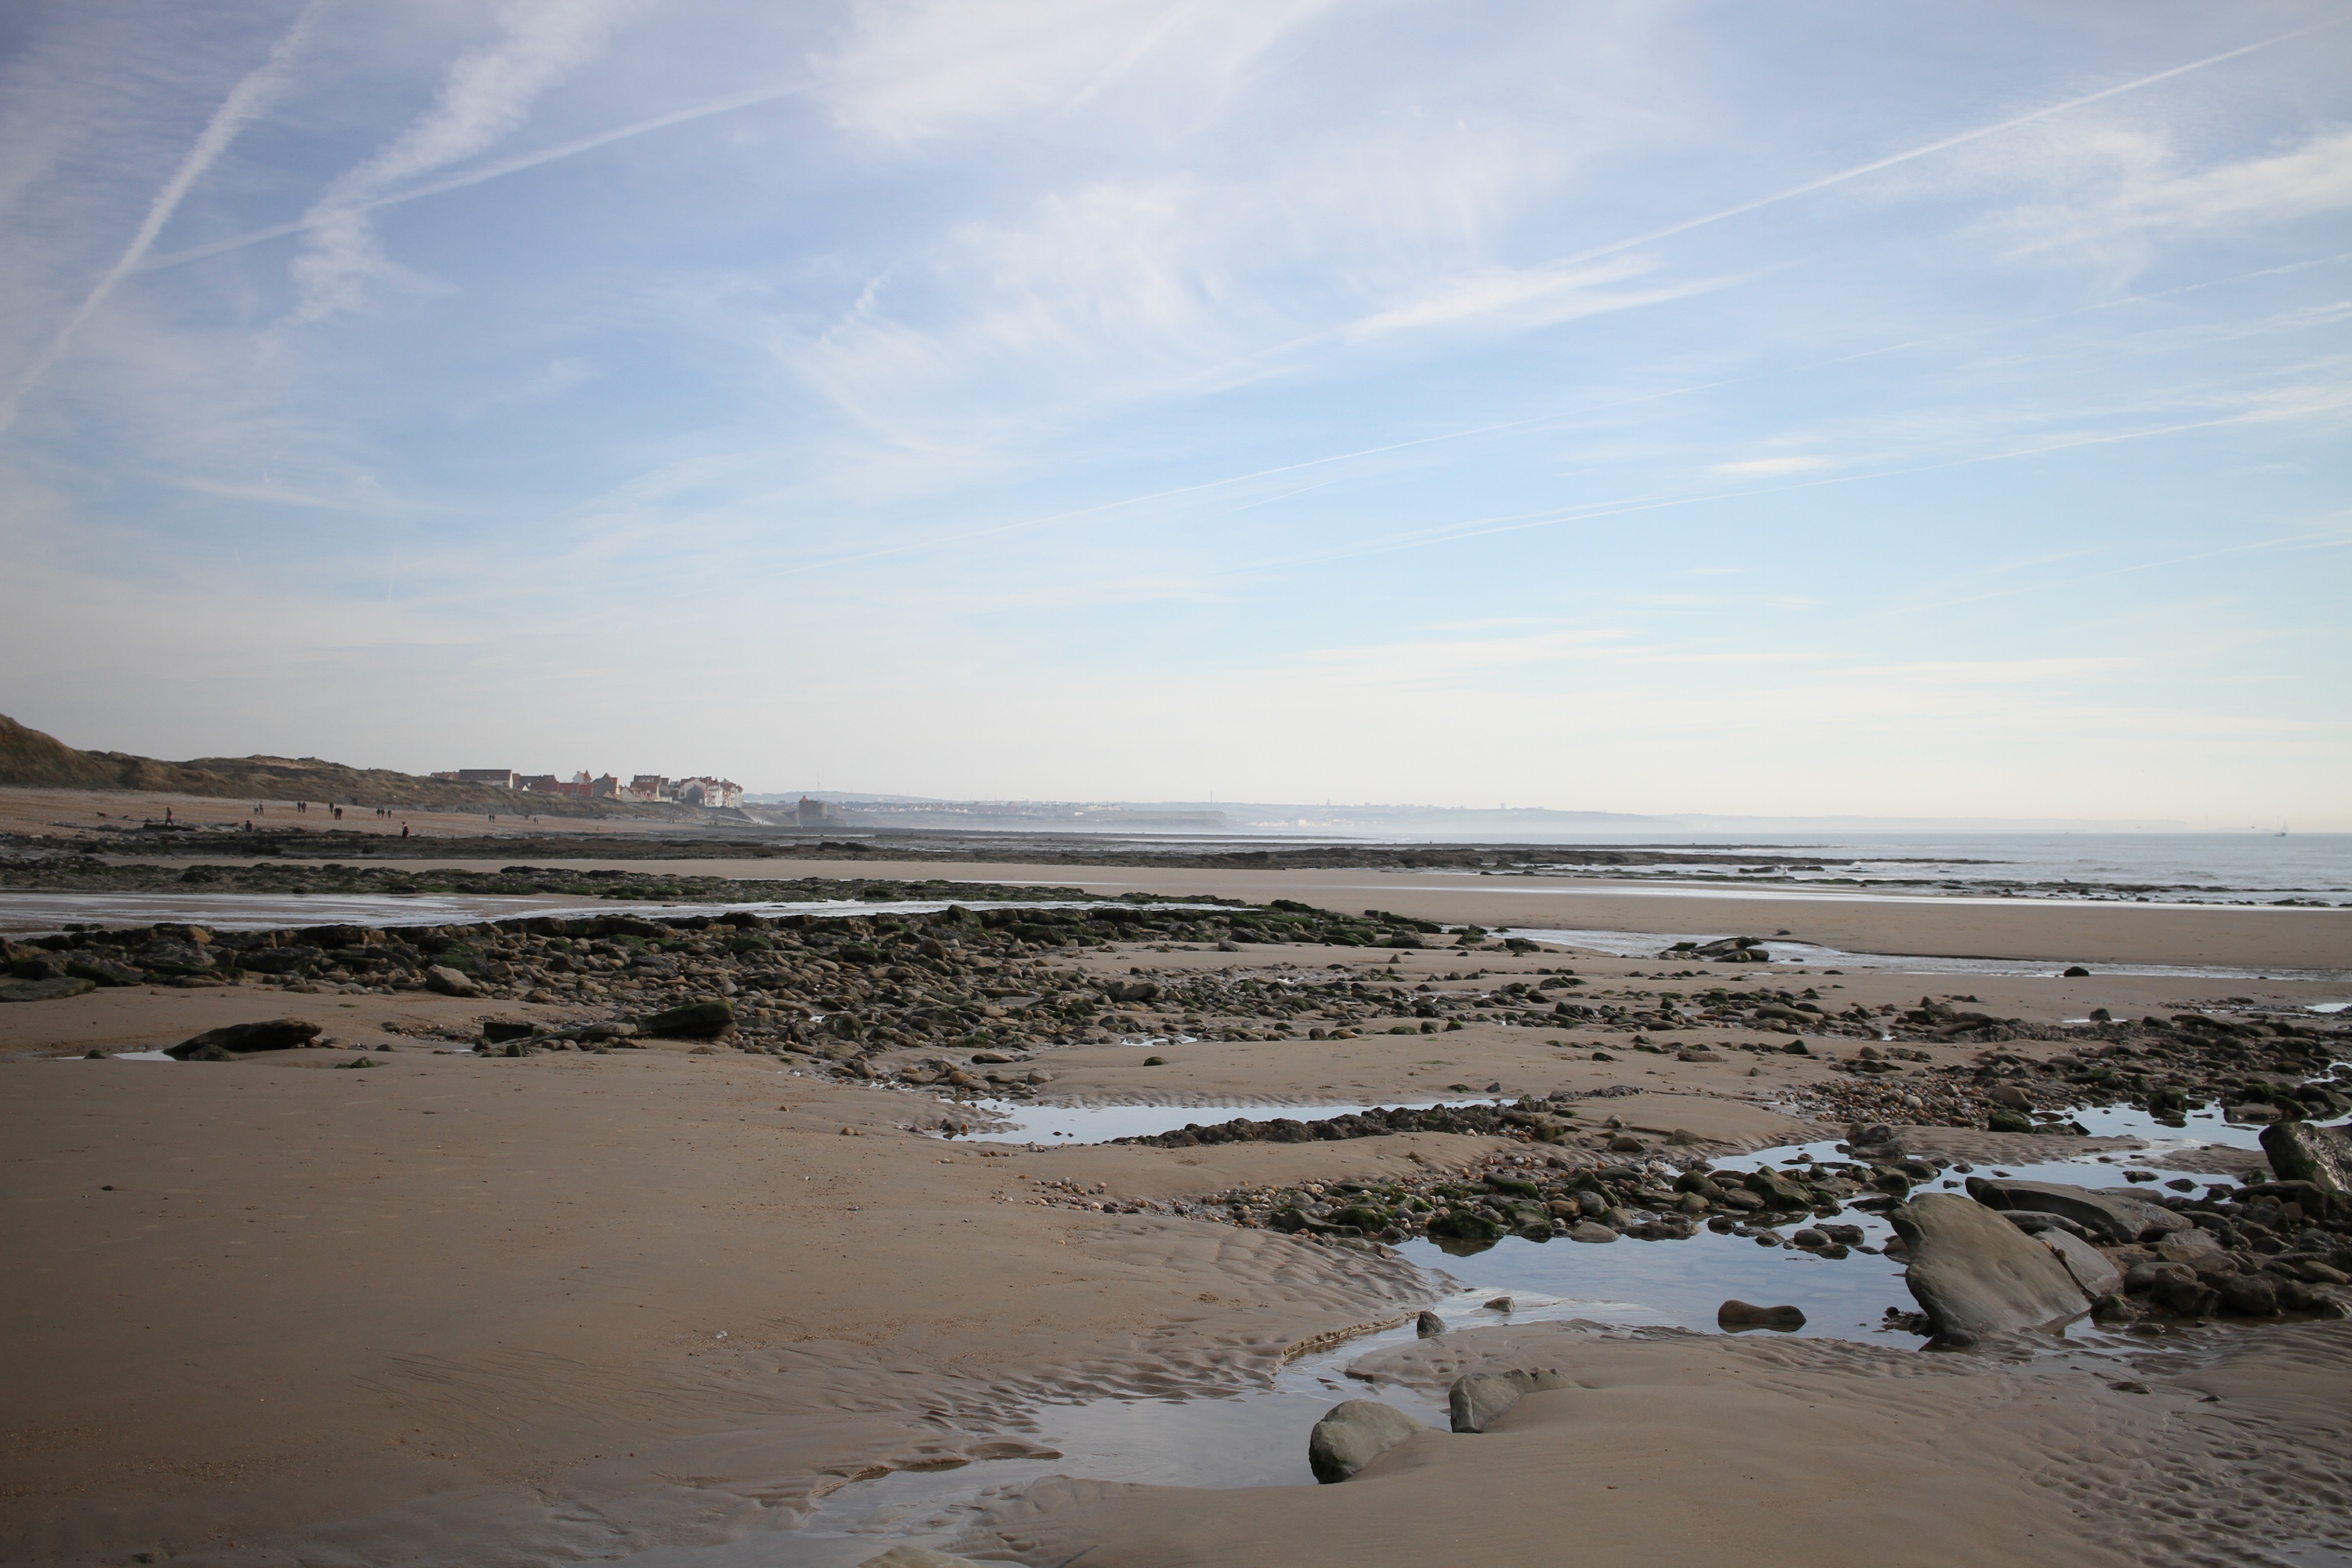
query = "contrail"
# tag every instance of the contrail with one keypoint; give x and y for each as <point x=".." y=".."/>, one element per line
<point x="475" y="176"/>
<point x="1843" y="175"/>
<point x="244" y="100"/>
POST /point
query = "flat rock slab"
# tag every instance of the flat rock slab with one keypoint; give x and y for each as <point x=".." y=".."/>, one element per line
<point x="1975" y="1275"/>
<point x="2111" y="1216"/>
<point x="2091" y="1268"/>
<point x="51" y="990"/>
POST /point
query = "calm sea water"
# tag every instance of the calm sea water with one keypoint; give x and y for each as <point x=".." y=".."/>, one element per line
<point x="2260" y="867"/>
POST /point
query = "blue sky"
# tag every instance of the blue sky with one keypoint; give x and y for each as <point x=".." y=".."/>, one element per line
<point x="1804" y="409"/>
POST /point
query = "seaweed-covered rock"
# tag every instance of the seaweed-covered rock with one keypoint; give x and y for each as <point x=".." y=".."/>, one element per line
<point x="270" y="1035"/>
<point x="695" y="1021"/>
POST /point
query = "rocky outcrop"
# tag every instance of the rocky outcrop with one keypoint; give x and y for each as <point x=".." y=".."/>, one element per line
<point x="1975" y="1275"/>
<point x="1352" y="1435"/>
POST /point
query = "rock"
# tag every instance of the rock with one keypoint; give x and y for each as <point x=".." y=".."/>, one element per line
<point x="450" y="982"/>
<point x="2034" y="1222"/>
<point x="498" y="1031"/>
<point x="1353" y="1434"/>
<point x="271" y="1035"/>
<point x="1591" y="1230"/>
<point x="50" y="990"/>
<point x="2188" y="1246"/>
<point x="2249" y="1295"/>
<point x="2091" y="1268"/>
<point x="174" y="955"/>
<point x="1696" y="1054"/>
<point x="911" y="1556"/>
<point x="2074" y="971"/>
<point x="99" y="968"/>
<point x="1811" y="1238"/>
<point x="2009" y="1121"/>
<point x="1627" y="1143"/>
<point x="2009" y="1095"/>
<point x="1975" y="1275"/>
<point x="2114" y="1216"/>
<point x="1428" y="1326"/>
<point x="1733" y="1317"/>
<point x="1776" y="1190"/>
<point x="695" y="1021"/>
<point x="1478" y="1400"/>
<point x="2298" y="1152"/>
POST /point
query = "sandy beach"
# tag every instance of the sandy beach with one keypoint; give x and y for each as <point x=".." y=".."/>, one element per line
<point x="664" y="1299"/>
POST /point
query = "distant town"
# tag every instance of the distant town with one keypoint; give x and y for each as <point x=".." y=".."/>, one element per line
<point x="701" y="790"/>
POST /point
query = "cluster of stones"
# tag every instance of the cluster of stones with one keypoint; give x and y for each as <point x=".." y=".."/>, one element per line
<point x="2253" y="1251"/>
<point x="1553" y="1191"/>
<point x="2259" y="1068"/>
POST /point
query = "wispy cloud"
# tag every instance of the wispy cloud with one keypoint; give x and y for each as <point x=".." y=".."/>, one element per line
<point x="487" y="94"/>
<point x="1769" y="466"/>
<point x="247" y="99"/>
<point x="2151" y="192"/>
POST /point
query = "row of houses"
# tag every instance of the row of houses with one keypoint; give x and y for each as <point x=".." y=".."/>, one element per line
<point x="700" y="790"/>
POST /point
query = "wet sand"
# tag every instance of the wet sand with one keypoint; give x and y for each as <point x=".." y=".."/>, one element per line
<point x="456" y="1310"/>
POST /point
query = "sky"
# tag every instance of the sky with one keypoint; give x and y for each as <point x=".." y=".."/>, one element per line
<point x="1806" y="409"/>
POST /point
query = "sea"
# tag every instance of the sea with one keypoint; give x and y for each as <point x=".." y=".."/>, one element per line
<point x="2314" y="868"/>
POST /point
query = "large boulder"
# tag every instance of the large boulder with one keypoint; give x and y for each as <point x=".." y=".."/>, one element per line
<point x="270" y="1035"/>
<point x="695" y="1021"/>
<point x="2114" y="1216"/>
<point x="1975" y="1275"/>
<point x="2299" y="1152"/>
<point x="1352" y="1435"/>
<point x="1476" y="1401"/>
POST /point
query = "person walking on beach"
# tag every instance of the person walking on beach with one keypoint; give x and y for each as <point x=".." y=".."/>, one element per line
<point x="404" y="830"/>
